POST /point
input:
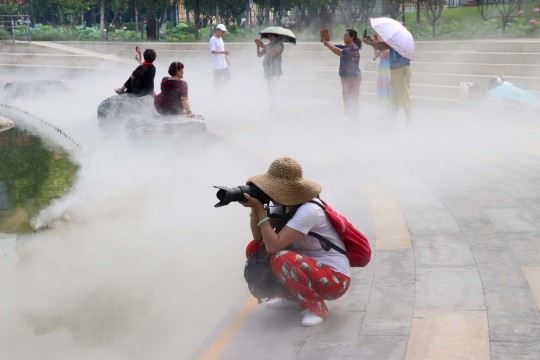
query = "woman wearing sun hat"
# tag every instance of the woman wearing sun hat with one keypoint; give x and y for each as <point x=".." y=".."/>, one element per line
<point x="308" y="273"/>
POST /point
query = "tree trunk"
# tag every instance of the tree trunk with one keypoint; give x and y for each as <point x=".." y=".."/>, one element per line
<point x="267" y="13"/>
<point x="197" y="18"/>
<point x="418" y="12"/>
<point x="102" y="19"/>
<point x="136" y="19"/>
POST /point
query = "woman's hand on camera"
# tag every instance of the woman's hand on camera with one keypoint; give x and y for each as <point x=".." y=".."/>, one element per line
<point x="252" y="202"/>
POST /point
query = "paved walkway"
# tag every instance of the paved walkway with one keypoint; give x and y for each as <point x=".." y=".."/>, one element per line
<point x="456" y="266"/>
<point x="451" y="205"/>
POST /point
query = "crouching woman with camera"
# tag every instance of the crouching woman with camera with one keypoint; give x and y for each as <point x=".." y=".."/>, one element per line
<point x="308" y="273"/>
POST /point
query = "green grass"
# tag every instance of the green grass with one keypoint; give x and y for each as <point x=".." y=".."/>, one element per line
<point x="466" y="22"/>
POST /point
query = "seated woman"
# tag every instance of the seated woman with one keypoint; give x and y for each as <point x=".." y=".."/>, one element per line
<point x="309" y="274"/>
<point x="173" y="99"/>
<point x="141" y="81"/>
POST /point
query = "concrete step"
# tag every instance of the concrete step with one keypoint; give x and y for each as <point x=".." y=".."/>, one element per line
<point x="370" y="86"/>
<point x="56" y="60"/>
<point x="510" y="45"/>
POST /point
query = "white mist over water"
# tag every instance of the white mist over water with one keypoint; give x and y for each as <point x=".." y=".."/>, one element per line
<point x="136" y="262"/>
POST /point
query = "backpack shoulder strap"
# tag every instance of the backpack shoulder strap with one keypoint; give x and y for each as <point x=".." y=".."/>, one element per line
<point x="325" y="243"/>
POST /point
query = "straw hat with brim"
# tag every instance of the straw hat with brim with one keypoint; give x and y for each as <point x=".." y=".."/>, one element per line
<point x="284" y="183"/>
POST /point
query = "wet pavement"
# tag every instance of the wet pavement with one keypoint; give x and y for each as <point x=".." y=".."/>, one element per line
<point x="451" y="205"/>
<point x="455" y="272"/>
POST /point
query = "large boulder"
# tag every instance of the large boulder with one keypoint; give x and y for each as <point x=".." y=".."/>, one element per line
<point x="125" y="109"/>
<point x="137" y="113"/>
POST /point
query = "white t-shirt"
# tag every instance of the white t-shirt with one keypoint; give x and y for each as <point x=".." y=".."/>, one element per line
<point x="218" y="60"/>
<point x="311" y="217"/>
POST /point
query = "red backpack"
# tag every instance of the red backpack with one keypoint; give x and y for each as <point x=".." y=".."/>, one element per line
<point x="357" y="246"/>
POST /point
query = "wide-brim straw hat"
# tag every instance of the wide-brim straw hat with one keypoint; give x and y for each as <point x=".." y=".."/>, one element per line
<point x="284" y="183"/>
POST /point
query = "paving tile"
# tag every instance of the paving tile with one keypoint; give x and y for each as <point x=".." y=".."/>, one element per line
<point x="487" y="241"/>
<point x="521" y="189"/>
<point x="339" y="327"/>
<point x="335" y="351"/>
<point x="469" y="215"/>
<point x="512" y="314"/>
<point x="394" y="267"/>
<point x="390" y="310"/>
<point x="252" y="340"/>
<point x="533" y="278"/>
<point x="430" y="220"/>
<point x="354" y="300"/>
<point x="442" y="250"/>
<point x="513" y="219"/>
<point x="449" y="335"/>
<point x="380" y="347"/>
<point x="502" y="350"/>
<point x="263" y="350"/>
<point x="449" y="288"/>
<point x="491" y="197"/>
<point x="525" y="247"/>
<point x="533" y="205"/>
<point x="498" y="267"/>
<point x="390" y="226"/>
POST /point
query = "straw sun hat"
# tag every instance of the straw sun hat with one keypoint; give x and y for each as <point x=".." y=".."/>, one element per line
<point x="284" y="183"/>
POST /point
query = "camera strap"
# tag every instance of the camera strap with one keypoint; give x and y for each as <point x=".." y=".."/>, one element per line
<point x="283" y="218"/>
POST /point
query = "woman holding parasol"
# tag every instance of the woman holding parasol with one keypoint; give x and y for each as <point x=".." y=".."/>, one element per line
<point x="272" y="54"/>
<point x="400" y="42"/>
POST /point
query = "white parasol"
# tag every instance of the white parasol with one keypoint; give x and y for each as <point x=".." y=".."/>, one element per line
<point x="395" y="35"/>
<point x="286" y="34"/>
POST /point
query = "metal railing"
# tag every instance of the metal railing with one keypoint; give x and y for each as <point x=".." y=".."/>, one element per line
<point x="18" y="26"/>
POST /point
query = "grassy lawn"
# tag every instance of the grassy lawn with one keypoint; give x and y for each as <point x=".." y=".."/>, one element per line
<point x="467" y="22"/>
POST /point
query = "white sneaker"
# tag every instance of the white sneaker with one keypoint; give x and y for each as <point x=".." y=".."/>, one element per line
<point x="281" y="303"/>
<point x="310" y="318"/>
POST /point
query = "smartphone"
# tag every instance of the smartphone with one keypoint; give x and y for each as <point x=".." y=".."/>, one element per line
<point x="365" y="32"/>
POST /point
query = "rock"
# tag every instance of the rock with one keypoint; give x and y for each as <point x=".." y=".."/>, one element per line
<point x="137" y="113"/>
<point x="33" y="88"/>
<point x="5" y="124"/>
<point x="125" y="109"/>
<point x="171" y="124"/>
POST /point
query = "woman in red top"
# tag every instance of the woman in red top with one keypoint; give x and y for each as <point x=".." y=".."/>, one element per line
<point x="173" y="99"/>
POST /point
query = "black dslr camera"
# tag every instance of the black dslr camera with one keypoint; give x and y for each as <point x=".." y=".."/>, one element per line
<point x="226" y="195"/>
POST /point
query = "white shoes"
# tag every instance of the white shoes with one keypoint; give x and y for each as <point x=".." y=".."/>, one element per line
<point x="310" y="318"/>
<point x="281" y="303"/>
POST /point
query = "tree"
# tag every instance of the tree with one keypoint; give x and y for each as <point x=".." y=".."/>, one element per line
<point x="231" y="10"/>
<point x="486" y="8"/>
<point x="154" y="10"/>
<point x="321" y="12"/>
<point x="202" y="9"/>
<point x="10" y="7"/>
<point x="432" y="9"/>
<point x="357" y="11"/>
<point x="505" y="8"/>
<point x="393" y="7"/>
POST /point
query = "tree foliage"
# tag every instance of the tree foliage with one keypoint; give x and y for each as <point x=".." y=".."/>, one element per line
<point x="505" y="9"/>
<point x="10" y="7"/>
<point x="357" y="11"/>
<point x="432" y="10"/>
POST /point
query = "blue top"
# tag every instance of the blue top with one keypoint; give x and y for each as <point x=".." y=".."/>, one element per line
<point x="397" y="61"/>
<point x="349" y="60"/>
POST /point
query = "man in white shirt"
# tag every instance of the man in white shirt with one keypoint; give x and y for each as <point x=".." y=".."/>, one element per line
<point x="220" y="62"/>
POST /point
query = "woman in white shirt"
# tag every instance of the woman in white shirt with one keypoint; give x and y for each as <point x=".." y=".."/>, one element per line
<point x="308" y="273"/>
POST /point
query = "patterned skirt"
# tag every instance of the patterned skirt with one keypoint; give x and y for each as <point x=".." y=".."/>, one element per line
<point x="383" y="82"/>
